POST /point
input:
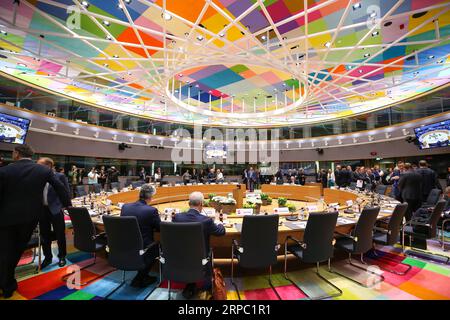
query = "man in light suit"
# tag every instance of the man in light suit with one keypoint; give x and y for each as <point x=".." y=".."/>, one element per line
<point x="21" y="186"/>
<point x="53" y="218"/>
<point x="209" y="228"/>
<point x="149" y="221"/>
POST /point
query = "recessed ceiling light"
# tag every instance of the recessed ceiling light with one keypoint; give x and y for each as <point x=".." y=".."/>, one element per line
<point x="366" y="55"/>
<point x="430" y="57"/>
<point x="263" y="38"/>
<point x="85" y="4"/>
<point x="375" y="33"/>
<point x="415" y="73"/>
<point x="120" y="6"/>
<point x="3" y="32"/>
<point x="127" y="1"/>
<point x="221" y="34"/>
<point x="106" y="23"/>
<point x="180" y="75"/>
<point x="356" y="6"/>
<point x="199" y="37"/>
<point x="373" y="14"/>
<point x="115" y="56"/>
<point x="21" y="64"/>
<point x="327" y="44"/>
<point x="106" y="65"/>
<point x="350" y="67"/>
<point x="166" y="16"/>
<point x="441" y="61"/>
<point x="108" y="38"/>
<point x="360" y="71"/>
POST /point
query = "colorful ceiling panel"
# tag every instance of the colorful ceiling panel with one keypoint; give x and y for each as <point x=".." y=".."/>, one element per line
<point x="238" y="63"/>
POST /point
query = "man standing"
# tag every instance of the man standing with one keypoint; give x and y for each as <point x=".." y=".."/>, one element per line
<point x="410" y="187"/>
<point x="251" y="179"/>
<point x="429" y="179"/>
<point x="53" y="216"/>
<point x="149" y="221"/>
<point x="209" y="228"/>
<point x="21" y="187"/>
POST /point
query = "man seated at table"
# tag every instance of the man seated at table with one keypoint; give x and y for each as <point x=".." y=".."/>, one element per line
<point x="209" y="228"/>
<point x="149" y="221"/>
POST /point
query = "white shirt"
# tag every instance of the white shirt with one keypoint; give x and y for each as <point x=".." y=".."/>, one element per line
<point x="220" y="176"/>
<point x="92" y="178"/>
<point x="45" y="194"/>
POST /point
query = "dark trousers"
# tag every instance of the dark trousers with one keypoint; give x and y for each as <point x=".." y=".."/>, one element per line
<point x="149" y="260"/>
<point x="13" y="242"/>
<point x="413" y="205"/>
<point x="47" y="221"/>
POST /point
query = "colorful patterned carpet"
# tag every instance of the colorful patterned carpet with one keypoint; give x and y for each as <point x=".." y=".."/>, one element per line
<point x="426" y="280"/>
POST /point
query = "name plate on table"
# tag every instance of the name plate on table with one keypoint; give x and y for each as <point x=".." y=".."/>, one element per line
<point x="199" y="184"/>
<point x="312" y="208"/>
<point x="212" y="183"/>
<point x="298" y="225"/>
<point x="344" y="221"/>
<point x="209" y="211"/>
<point x="244" y="212"/>
<point x="359" y="184"/>
<point x="189" y="184"/>
<point x="165" y="185"/>
<point x="286" y="184"/>
<point x="108" y="202"/>
<point x="177" y="184"/>
<point x="171" y="210"/>
<point x="273" y="183"/>
<point x="224" y="182"/>
<point x="349" y="203"/>
<point x="281" y="210"/>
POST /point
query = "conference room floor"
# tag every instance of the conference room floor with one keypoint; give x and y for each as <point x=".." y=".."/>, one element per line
<point x="426" y="280"/>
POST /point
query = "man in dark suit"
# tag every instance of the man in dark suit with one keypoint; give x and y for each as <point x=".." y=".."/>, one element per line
<point x="251" y="179"/>
<point x="410" y="186"/>
<point x="21" y="187"/>
<point x="53" y="217"/>
<point x="209" y="228"/>
<point x="429" y="179"/>
<point x="149" y="221"/>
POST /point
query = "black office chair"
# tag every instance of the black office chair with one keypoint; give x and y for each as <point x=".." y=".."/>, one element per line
<point x="258" y="247"/>
<point x="80" y="191"/>
<point x="423" y="229"/>
<point x="432" y="199"/>
<point x="183" y="255"/>
<point x="360" y="241"/>
<point x="115" y="185"/>
<point x="316" y="247"/>
<point x="97" y="187"/>
<point x="444" y="220"/>
<point x="126" y="248"/>
<point x="389" y="236"/>
<point x="35" y="245"/>
<point x="85" y="238"/>
<point x="381" y="189"/>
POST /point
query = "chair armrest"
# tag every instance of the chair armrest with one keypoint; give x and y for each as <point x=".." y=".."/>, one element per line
<point x="236" y="245"/>
<point x="300" y="243"/>
<point x="346" y="235"/>
<point x="381" y="230"/>
<point x="98" y="235"/>
<point x="151" y="245"/>
<point x="418" y="223"/>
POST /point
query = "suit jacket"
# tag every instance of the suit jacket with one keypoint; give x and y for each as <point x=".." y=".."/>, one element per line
<point x="21" y="191"/>
<point x="410" y="186"/>
<point x="147" y="217"/>
<point x="209" y="227"/>
<point x="54" y="203"/>
<point x="429" y="180"/>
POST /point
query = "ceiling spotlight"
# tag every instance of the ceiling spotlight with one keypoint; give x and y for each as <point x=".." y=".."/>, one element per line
<point x="375" y="33"/>
<point x="387" y="135"/>
<point x="106" y="23"/>
<point x="127" y="1"/>
<point x="360" y="71"/>
<point x="166" y="16"/>
<point x="373" y="14"/>
<point x="370" y="138"/>
<point x="96" y="134"/>
<point x="199" y="37"/>
<point x="263" y="38"/>
<point x="356" y="6"/>
<point x="327" y="44"/>
<point x="366" y="55"/>
<point x="106" y="65"/>
<point x="415" y="73"/>
<point x="441" y="61"/>
<point x="131" y="139"/>
<point x="76" y="131"/>
<point x="430" y="57"/>
<point x="54" y="127"/>
<point x="120" y="6"/>
<point x="114" y="137"/>
<point x="129" y="73"/>
<point x="3" y="32"/>
<point x="405" y="132"/>
<point x="85" y="4"/>
<point x="20" y="64"/>
<point x="350" y="67"/>
<point x="222" y="34"/>
<point x="115" y="56"/>
<point x="355" y="140"/>
<point x="108" y="37"/>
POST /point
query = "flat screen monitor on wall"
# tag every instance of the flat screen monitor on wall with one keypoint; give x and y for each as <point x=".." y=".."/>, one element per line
<point x="433" y="135"/>
<point x="13" y="129"/>
<point x="216" y="151"/>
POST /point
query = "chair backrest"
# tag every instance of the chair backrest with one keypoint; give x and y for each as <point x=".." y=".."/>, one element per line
<point x="318" y="236"/>
<point x="115" y="185"/>
<point x="435" y="216"/>
<point x="83" y="229"/>
<point x="433" y="197"/>
<point x="183" y="250"/>
<point x="97" y="187"/>
<point x="259" y="240"/>
<point x="381" y="189"/>
<point x="352" y="185"/>
<point x="395" y="223"/>
<point x="364" y="229"/>
<point x="80" y="191"/>
<point x="124" y="242"/>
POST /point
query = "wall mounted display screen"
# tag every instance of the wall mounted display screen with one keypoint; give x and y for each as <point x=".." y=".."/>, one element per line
<point x="13" y="129"/>
<point x="433" y="135"/>
<point x="216" y="151"/>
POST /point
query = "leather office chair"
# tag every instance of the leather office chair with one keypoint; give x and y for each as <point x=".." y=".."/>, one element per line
<point x="360" y="241"/>
<point x="258" y="247"/>
<point x="126" y="248"/>
<point x="183" y="255"/>
<point x="34" y="244"/>
<point x="432" y="198"/>
<point x="381" y="189"/>
<point x="85" y="238"/>
<point x="97" y="187"/>
<point x="424" y="229"/>
<point x="316" y="247"/>
<point x="80" y="191"/>
<point x="115" y="185"/>
<point x="389" y="236"/>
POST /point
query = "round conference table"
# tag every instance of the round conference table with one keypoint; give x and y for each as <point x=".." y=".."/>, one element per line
<point x="305" y="196"/>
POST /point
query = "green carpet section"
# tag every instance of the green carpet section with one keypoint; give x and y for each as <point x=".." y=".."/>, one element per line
<point x="79" y="295"/>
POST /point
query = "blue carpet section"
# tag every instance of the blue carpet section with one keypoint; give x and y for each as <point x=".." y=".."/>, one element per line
<point x="56" y="294"/>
